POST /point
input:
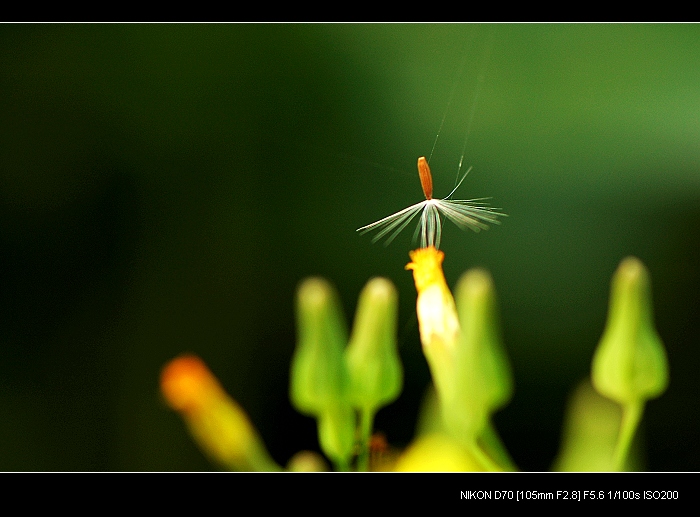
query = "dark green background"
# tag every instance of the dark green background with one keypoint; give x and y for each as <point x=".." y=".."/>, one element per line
<point x="164" y="188"/>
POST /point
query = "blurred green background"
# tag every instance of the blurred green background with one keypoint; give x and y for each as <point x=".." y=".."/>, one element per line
<point x="164" y="188"/>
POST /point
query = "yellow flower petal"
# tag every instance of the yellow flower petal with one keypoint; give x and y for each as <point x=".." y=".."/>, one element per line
<point x="437" y="315"/>
<point x="436" y="453"/>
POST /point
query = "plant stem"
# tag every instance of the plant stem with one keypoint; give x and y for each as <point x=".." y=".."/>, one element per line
<point x="342" y="466"/>
<point x="493" y="446"/>
<point x="631" y="415"/>
<point x="484" y="459"/>
<point x="366" y="423"/>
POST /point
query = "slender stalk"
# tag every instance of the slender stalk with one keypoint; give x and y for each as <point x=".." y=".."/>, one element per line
<point x="493" y="446"/>
<point x="484" y="459"/>
<point x="342" y="466"/>
<point x="366" y="424"/>
<point x="631" y="416"/>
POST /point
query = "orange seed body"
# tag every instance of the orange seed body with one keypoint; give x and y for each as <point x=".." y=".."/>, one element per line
<point x="426" y="179"/>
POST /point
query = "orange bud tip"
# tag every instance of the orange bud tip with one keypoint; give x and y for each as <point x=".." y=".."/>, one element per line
<point x="426" y="179"/>
<point x="186" y="381"/>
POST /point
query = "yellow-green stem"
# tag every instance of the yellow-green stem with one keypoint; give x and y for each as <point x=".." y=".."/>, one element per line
<point x="631" y="416"/>
<point x="493" y="446"/>
<point x="484" y="459"/>
<point x="341" y="465"/>
<point x="366" y="423"/>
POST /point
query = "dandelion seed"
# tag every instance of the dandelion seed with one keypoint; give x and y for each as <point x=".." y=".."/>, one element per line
<point x="472" y="214"/>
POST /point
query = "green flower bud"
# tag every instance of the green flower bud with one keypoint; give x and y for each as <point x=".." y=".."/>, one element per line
<point x="482" y="375"/>
<point x="319" y="378"/>
<point x="376" y="376"/>
<point x="629" y="365"/>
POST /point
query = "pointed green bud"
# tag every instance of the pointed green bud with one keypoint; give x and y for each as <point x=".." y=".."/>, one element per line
<point x="376" y="375"/>
<point x="319" y="378"/>
<point x="629" y="365"/>
<point x="482" y="376"/>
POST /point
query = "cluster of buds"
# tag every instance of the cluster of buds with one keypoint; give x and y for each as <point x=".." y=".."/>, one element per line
<point x="342" y="381"/>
